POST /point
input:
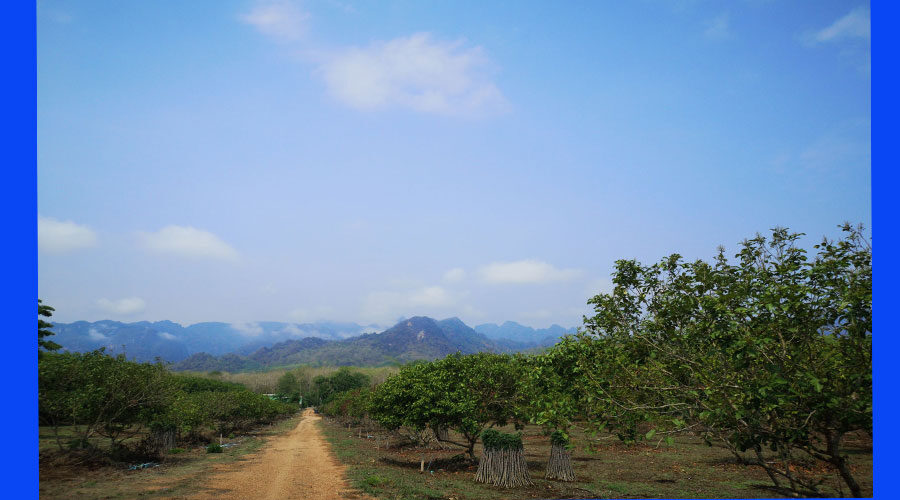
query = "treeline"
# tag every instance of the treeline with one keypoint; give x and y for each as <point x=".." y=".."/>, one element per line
<point x="141" y="409"/>
<point x="297" y="386"/>
<point x="769" y="355"/>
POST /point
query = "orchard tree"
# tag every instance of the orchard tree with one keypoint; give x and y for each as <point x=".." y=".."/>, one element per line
<point x="553" y="403"/>
<point x="100" y="394"/>
<point x="465" y="393"/>
<point x="771" y="351"/>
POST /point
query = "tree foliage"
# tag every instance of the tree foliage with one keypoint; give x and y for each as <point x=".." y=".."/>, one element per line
<point x="102" y="395"/>
<point x="771" y="351"/>
<point x="349" y="405"/>
<point x="466" y="393"/>
<point x="325" y="388"/>
<point x="44" y="330"/>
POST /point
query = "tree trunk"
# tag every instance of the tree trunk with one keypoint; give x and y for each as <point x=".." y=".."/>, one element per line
<point x="839" y="461"/>
<point x="560" y="464"/>
<point x="504" y="467"/>
<point x="441" y="433"/>
<point x="162" y="439"/>
<point x="762" y="463"/>
<point x="503" y="461"/>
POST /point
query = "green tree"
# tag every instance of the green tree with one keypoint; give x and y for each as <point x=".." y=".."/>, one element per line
<point x="100" y="394"/>
<point x="772" y="351"/>
<point x="466" y="393"/>
<point x="288" y="386"/>
<point x="44" y="330"/>
<point x="554" y="402"/>
<point x="345" y="379"/>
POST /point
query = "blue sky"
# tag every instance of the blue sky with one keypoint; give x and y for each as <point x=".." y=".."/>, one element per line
<point x="294" y="161"/>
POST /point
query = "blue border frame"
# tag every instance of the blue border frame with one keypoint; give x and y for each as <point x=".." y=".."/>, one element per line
<point x="19" y="204"/>
<point x="886" y="276"/>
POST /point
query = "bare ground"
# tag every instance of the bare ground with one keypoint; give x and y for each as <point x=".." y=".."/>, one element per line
<point x="296" y="465"/>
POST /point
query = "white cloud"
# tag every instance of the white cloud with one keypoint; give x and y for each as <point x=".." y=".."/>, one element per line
<point x="187" y="241"/>
<point x="248" y="329"/>
<point x="95" y="335"/>
<point x="279" y="19"/>
<point x="56" y="236"/>
<point x="167" y="336"/>
<point x="293" y="331"/>
<point x="525" y="271"/>
<point x="308" y="314"/>
<point x="430" y="296"/>
<point x="455" y="275"/>
<point x="122" y="307"/>
<point x="718" y="28"/>
<point x="853" y="25"/>
<point x="386" y="306"/>
<point x="416" y="73"/>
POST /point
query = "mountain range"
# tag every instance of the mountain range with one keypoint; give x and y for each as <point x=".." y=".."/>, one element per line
<point x="227" y="347"/>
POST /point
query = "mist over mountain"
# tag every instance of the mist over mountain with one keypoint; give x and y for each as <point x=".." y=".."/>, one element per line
<point x="144" y="341"/>
<point x="240" y="347"/>
<point x="511" y="330"/>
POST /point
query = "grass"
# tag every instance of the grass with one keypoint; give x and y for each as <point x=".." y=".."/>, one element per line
<point x="178" y="474"/>
<point x="610" y="469"/>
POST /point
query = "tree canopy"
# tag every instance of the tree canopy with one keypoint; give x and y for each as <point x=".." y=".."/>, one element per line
<point x="466" y="393"/>
<point x="773" y="350"/>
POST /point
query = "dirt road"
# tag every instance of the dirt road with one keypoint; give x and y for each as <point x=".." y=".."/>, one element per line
<point x="296" y="465"/>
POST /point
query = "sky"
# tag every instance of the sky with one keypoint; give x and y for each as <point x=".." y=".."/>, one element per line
<point x="251" y="160"/>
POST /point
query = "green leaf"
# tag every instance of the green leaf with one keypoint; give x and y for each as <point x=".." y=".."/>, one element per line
<point x="650" y="433"/>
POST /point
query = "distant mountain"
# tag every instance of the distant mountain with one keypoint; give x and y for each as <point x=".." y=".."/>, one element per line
<point x="138" y="341"/>
<point x="513" y="331"/>
<point x="172" y="342"/>
<point x="411" y="339"/>
<point x="281" y="352"/>
<point x="203" y="362"/>
<point x="228" y="347"/>
<point x="415" y="338"/>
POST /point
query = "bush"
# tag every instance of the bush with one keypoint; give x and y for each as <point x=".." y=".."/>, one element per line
<point x="102" y="395"/>
<point x="214" y="448"/>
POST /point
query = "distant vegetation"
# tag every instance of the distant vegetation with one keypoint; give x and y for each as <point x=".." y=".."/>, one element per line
<point x="266" y="381"/>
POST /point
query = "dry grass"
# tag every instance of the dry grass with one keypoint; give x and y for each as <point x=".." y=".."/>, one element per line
<point x="266" y="382"/>
<point x="177" y="475"/>
<point x="689" y="469"/>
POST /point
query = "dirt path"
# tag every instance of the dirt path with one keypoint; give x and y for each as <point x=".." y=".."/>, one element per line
<point x="296" y="465"/>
